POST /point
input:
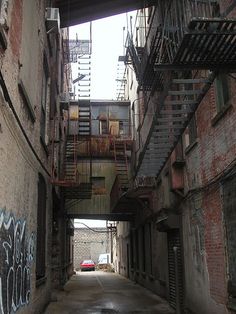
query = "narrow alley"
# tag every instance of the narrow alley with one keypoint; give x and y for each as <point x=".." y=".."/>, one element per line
<point x="106" y="293"/>
<point x="122" y="112"/>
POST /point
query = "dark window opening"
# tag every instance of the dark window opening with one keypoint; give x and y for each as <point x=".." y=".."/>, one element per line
<point x="222" y="91"/>
<point x="41" y="229"/>
<point x="98" y="182"/>
<point x="192" y="130"/>
<point x="103" y="127"/>
<point x="121" y="127"/>
<point x="98" y="185"/>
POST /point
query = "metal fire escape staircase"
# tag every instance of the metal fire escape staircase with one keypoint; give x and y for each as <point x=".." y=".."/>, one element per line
<point x="170" y="120"/>
<point x="189" y="41"/>
<point x="79" y="185"/>
<point x="121" y="164"/>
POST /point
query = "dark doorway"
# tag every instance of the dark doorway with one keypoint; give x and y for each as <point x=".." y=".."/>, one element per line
<point x="175" y="267"/>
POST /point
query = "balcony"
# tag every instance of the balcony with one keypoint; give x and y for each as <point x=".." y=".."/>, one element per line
<point x="193" y="33"/>
<point x="183" y="34"/>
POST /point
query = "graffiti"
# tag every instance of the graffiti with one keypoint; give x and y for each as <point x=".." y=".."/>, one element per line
<point x="16" y="257"/>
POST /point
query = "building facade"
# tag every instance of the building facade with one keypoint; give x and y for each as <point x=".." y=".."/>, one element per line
<point x="172" y="189"/>
<point x="180" y="242"/>
<point x="31" y="79"/>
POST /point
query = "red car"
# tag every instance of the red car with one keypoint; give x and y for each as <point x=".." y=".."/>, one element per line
<point x="87" y="265"/>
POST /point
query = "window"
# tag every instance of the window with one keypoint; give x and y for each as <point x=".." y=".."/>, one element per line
<point x="192" y="130"/>
<point x="222" y="91"/>
<point x="103" y="127"/>
<point x="44" y="102"/>
<point x="98" y="185"/>
<point x="121" y="127"/>
<point x="191" y="134"/>
<point x="41" y="228"/>
<point x="98" y="182"/>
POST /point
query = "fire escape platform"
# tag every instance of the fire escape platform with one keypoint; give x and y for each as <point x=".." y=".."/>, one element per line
<point x="208" y="42"/>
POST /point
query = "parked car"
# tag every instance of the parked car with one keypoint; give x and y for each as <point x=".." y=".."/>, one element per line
<point x="87" y="265"/>
<point x="104" y="261"/>
<point x="104" y="258"/>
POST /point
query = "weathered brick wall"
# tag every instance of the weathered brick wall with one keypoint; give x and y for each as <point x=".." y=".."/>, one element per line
<point x="200" y="205"/>
<point x="20" y="162"/>
<point x="88" y="244"/>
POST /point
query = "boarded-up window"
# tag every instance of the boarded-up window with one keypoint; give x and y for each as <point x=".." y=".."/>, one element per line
<point x="229" y="201"/>
<point x="114" y="127"/>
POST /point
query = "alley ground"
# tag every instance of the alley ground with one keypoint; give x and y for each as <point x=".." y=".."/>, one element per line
<point x="109" y="293"/>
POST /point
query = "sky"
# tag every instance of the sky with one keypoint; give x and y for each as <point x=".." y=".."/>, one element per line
<point x="80" y="223"/>
<point x="107" y="45"/>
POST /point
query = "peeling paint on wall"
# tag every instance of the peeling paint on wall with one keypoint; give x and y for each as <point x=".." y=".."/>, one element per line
<point x="17" y="252"/>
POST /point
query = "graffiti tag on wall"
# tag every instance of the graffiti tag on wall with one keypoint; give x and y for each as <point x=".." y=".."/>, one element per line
<point x="16" y="257"/>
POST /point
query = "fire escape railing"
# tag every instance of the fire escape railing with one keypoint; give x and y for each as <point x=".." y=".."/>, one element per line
<point x="188" y="33"/>
<point x="121" y="147"/>
<point x="186" y="38"/>
<point x="193" y="33"/>
<point x="76" y="184"/>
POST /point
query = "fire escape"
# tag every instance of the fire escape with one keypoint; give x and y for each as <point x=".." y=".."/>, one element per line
<point x="121" y="163"/>
<point x="121" y="147"/>
<point x="76" y="169"/>
<point x="187" y="44"/>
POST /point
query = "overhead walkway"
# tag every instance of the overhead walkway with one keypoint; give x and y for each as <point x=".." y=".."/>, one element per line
<point x="73" y="12"/>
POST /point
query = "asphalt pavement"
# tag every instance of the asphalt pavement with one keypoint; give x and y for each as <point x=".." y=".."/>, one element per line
<point x="98" y="292"/>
